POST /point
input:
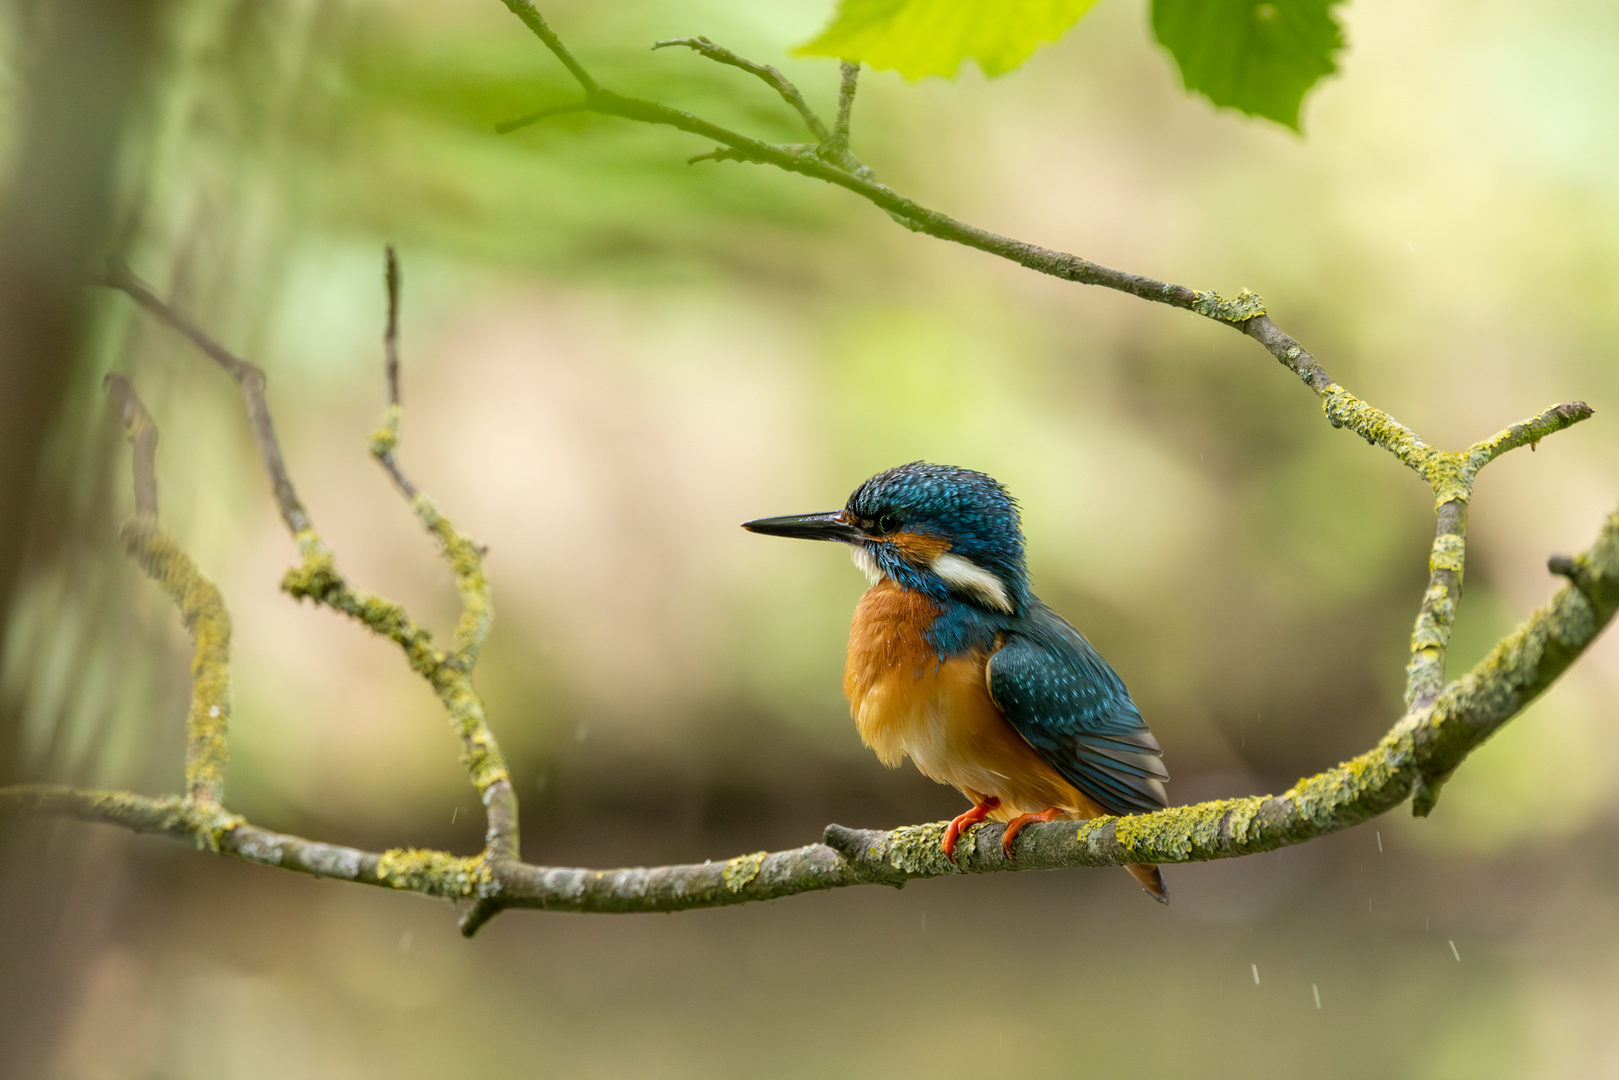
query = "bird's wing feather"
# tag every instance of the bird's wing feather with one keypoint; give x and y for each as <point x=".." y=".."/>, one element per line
<point x="1065" y="700"/>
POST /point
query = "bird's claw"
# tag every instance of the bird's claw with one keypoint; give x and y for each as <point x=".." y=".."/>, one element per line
<point x="962" y="822"/>
<point x="1015" y="826"/>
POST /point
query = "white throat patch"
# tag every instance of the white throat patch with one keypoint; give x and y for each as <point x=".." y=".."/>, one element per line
<point x="868" y="565"/>
<point x="973" y="579"/>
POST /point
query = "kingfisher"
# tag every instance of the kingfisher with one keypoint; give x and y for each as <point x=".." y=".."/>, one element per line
<point x="954" y="662"/>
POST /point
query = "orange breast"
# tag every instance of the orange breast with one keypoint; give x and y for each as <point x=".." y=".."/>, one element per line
<point x="906" y="701"/>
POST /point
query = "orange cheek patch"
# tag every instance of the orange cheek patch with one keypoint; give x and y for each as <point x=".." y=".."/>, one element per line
<point x="921" y="548"/>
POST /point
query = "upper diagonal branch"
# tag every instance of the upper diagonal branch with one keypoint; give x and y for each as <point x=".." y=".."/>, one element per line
<point x="532" y="19"/>
<point x="1450" y="475"/>
<point x="770" y="76"/>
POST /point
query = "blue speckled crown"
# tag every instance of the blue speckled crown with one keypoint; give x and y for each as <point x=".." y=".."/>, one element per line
<point x="973" y="511"/>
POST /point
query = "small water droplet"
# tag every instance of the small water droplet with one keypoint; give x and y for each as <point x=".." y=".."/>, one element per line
<point x="1316" y="990"/>
<point x="1380" y="841"/>
<point x="405" y="940"/>
<point x="1453" y="951"/>
<point x="1255" y="968"/>
<point x="454" y="812"/>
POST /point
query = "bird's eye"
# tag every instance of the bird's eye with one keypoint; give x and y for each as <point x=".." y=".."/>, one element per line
<point x="887" y="523"/>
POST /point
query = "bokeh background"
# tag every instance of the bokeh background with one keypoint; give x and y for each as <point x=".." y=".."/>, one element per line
<point x="612" y="357"/>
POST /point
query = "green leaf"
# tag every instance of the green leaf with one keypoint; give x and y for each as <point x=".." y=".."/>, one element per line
<point x="1261" y="58"/>
<point x="933" y="37"/>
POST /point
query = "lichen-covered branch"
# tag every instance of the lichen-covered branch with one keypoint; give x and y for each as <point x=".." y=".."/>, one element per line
<point x="1451" y="477"/>
<point x="1422" y="746"/>
<point x="317" y="577"/>
<point x="451" y="677"/>
<point x="202" y="607"/>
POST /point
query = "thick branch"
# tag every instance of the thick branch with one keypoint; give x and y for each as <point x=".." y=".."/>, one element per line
<point x="1421" y="747"/>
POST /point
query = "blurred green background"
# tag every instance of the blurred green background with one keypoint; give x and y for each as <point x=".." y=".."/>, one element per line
<point x="611" y="358"/>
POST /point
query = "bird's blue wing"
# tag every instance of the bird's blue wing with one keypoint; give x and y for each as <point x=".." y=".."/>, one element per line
<point x="1073" y="709"/>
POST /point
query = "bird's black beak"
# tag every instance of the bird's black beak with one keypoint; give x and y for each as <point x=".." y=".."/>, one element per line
<point x="828" y="526"/>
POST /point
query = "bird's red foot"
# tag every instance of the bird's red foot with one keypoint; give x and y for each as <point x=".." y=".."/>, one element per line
<point x="963" y="822"/>
<point x="1015" y="826"/>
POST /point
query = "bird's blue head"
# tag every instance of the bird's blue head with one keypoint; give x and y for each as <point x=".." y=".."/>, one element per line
<point x="948" y="532"/>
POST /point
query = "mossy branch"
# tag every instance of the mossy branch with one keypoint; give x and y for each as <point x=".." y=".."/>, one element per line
<point x="317" y="577"/>
<point x="202" y="607"/>
<point x="1422" y="746"/>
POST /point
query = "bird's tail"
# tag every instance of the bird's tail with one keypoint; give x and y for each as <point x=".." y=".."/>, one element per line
<point x="1151" y="880"/>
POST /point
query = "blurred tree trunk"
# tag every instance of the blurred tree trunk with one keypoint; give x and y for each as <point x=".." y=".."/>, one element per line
<point x="80" y="64"/>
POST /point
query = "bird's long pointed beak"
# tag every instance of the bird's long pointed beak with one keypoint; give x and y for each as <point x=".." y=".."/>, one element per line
<point x="828" y="526"/>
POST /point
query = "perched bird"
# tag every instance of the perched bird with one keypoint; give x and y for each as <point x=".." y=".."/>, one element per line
<point x="954" y="662"/>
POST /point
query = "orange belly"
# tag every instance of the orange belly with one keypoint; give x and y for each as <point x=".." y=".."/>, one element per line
<point x="906" y="702"/>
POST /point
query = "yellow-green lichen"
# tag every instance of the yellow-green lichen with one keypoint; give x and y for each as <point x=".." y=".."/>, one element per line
<point x="479" y="752"/>
<point x="386" y="437"/>
<point x="1239" y="309"/>
<point x="1449" y="553"/>
<point x="466" y="562"/>
<point x="1184" y="832"/>
<point x="915" y="849"/>
<point x="203" y="611"/>
<point x="737" y="872"/>
<point x="437" y="873"/>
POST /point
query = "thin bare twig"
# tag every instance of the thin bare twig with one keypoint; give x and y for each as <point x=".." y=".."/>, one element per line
<point x="847" y="84"/>
<point x="247" y="376"/>
<point x="386" y="438"/>
<point x="142" y="433"/>
<point x="770" y="76"/>
<point x="507" y="126"/>
<point x="390" y="335"/>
